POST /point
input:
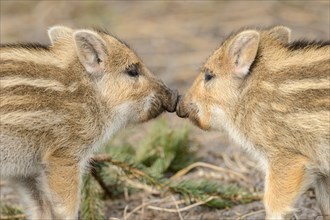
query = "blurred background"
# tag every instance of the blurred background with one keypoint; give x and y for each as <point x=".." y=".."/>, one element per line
<point x="174" y="38"/>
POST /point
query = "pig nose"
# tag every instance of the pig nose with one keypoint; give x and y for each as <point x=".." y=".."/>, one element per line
<point x="173" y="101"/>
<point x="180" y="108"/>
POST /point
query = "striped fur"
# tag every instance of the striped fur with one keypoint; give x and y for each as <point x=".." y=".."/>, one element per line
<point x="58" y="104"/>
<point x="278" y="108"/>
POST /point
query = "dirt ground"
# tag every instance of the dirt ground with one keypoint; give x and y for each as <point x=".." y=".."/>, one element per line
<point x="174" y="38"/>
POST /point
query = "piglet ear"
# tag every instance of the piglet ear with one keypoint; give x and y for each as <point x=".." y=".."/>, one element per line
<point x="242" y="51"/>
<point x="91" y="50"/>
<point x="281" y="33"/>
<point x="57" y="33"/>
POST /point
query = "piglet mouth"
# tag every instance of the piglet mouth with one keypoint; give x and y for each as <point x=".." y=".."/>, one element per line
<point x="189" y="110"/>
<point x="191" y="113"/>
<point x="171" y="104"/>
<point x="181" y="111"/>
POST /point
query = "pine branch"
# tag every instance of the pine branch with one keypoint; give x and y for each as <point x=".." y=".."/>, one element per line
<point x="223" y="196"/>
<point x="95" y="172"/>
<point x="92" y="205"/>
<point x="127" y="168"/>
<point x="11" y="212"/>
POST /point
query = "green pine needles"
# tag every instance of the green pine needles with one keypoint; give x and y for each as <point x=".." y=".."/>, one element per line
<point x="92" y="206"/>
<point x="11" y="212"/>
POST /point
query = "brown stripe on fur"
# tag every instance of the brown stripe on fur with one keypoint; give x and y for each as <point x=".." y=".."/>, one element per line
<point x="308" y="100"/>
<point x="78" y="95"/>
<point x="306" y="44"/>
<point x="315" y="70"/>
<point x="33" y="103"/>
<point x="74" y="122"/>
<point x="39" y="71"/>
<point x="28" y="46"/>
<point x="312" y="100"/>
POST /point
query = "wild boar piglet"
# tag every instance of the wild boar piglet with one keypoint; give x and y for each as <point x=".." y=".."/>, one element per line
<point x="60" y="103"/>
<point x="273" y="98"/>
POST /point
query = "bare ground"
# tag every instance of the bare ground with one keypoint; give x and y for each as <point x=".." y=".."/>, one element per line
<point x="174" y="38"/>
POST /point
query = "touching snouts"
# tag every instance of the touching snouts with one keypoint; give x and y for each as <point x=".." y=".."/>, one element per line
<point x="172" y="100"/>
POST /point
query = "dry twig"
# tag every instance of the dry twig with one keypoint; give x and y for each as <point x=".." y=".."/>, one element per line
<point x="177" y="207"/>
<point x="182" y="209"/>
<point x="138" y="185"/>
<point x="249" y="214"/>
<point x="207" y="165"/>
<point x="98" y="178"/>
<point x="127" y="215"/>
<point x="239" y="163"/>
<point x="19" y="216"/>
<point x="230" y="163"/>
<point x="142" y="209"/>
<point x="125" y="212"/>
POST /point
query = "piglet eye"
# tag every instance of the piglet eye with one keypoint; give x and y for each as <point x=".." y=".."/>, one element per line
<point x="208" y="76"/>
<point x="132" y="71"/>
